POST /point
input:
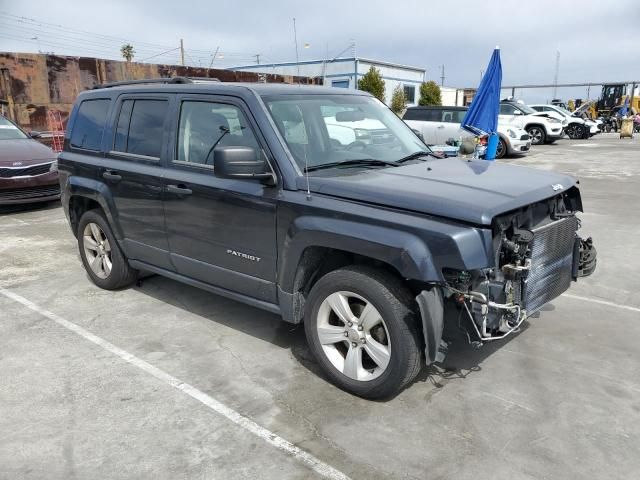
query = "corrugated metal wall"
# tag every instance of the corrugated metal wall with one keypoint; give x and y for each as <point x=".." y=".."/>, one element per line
<point x="32" y="84"/>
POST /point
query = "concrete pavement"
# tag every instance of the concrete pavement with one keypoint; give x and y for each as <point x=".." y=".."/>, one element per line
<point x="559" y="400"/>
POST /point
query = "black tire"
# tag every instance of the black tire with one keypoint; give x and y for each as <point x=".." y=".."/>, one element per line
<point x="397" y="309"/>
<point x="537" y="134"/>
<point x="121" y="274"/>
<point x="502" y="149"/>
<point x="575" y="131"/>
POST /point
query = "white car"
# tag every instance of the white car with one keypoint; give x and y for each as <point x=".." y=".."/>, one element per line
<point x="576" y="127"/>
<point x="543" y="129"/>
<point x="367" y="131"/>
<point x="437" y="125"/>
<point x="514" y="139"/>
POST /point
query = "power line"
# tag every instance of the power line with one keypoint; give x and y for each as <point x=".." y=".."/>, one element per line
<point x="32" y="21"/>
<point x="72" y="41"/>
<point x="160" y="54"/>
<point x="31" y="24"/>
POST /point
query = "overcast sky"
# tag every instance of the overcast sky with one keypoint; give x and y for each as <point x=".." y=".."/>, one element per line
<point x="598" y="40"/>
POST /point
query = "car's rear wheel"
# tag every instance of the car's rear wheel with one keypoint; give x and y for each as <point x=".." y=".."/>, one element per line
<point x="537" y="134"/>
<point x="101" y="256"/>
<point x="502" y="149"/>
<point x="360" y="326"/>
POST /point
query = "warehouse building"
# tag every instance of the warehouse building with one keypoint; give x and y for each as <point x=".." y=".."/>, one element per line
<point x="344" y="73"/>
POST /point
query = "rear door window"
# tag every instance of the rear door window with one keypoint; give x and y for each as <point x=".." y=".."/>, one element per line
<point x="140" y="127"/>
<point x="89" y="124"/>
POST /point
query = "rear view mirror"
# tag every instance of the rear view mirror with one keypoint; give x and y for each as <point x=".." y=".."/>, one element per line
<point x="239" y="162"/>
<point x="349" y="116"/>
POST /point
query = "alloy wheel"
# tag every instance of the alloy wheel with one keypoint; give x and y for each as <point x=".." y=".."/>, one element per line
<point x="97" y="250"/>
<point x="536" y="135"/>
<point x="353" y="336"/>
<point x="573" y="132"/>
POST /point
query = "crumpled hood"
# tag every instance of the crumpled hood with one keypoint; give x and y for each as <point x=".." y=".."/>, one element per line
<point x="470" y="191"/>
<point x="26" y="151"/>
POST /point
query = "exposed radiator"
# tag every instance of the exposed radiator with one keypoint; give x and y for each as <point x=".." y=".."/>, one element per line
<point x="551" y="263"/>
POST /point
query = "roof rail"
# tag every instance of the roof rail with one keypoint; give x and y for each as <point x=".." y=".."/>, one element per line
<point x="202" y="79"/>
<point x="172" y="80"/>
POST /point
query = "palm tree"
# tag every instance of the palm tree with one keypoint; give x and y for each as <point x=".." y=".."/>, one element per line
<point x="127" y="52"/>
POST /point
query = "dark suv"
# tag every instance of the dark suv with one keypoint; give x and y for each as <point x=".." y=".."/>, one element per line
<point x="322" y="206"/>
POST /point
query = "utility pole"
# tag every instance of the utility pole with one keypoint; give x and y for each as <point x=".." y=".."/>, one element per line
<point x="257" y="55"/>
<point x="442" y="77"/>
<point x="215" y="54"/>
<point x="555" y="78"/>
<point x="181" y="52"/>
<point x="295" y="41"/>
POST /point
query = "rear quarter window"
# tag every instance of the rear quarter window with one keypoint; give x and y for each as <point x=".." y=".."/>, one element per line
<point x="422" y="115"/>
<point x="89" y="124"/>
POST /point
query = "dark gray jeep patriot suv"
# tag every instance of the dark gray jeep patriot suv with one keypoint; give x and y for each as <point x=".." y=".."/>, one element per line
<point x="319" y="205"/>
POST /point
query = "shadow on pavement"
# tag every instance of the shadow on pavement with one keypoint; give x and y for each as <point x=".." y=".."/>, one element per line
<point x="29" y="207"/>
<point x="462" y="358"/>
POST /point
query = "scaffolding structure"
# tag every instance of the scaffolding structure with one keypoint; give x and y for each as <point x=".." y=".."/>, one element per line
<point x="55" y="126"/>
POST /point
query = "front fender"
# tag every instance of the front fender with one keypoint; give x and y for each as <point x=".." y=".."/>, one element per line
<point x="416" y="254"/>
<point x="402" y="250"/>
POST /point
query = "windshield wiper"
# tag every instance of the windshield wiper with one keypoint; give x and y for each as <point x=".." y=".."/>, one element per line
<point x="364" y="162"/>
<point x="416" y="155"/>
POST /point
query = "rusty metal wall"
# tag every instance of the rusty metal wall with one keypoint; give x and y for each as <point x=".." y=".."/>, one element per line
<point x="32" y="84"/>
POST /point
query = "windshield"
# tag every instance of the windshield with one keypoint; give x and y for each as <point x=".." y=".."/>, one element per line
<point x="8" y="131"/>
<point x="323" y="129"/>
<point x="564" y="111"/>
<point x="526" y="108"/>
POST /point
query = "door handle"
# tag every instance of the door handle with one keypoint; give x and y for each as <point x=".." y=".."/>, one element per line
<point x="179" y="189"/>
<point x="112" y="176"/>
<point x="440" y="126"/>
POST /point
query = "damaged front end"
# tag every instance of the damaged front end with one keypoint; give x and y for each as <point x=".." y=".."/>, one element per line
<point x="538" y="253"/>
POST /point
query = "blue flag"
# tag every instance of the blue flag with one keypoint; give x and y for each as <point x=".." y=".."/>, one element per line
<point x="482" y="116"/>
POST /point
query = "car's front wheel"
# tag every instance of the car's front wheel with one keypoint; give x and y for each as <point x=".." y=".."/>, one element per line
<point x="574" y="131"/>
<point x="101" y="256"/>
<point x="360" y="326"/>
<point x="501" y="151"/>
<point x="537" y="134"/>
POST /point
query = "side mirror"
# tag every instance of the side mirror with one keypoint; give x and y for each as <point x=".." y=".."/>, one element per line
<point x="239" y="162"/>
<point x="517" y="112"/>
<point x="34" y="134"/>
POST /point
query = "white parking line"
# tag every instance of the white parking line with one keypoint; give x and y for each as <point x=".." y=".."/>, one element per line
<point x="602" y="302"/>
<point x="302" y="456"/>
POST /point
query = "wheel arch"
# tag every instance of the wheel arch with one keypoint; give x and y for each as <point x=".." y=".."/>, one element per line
<point x="539" y="125"/>
<point x="320" y="246"/>
<point x="86" y="194"/>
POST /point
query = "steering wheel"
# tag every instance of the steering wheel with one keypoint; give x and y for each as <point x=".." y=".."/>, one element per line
<point x="356" y="144"/>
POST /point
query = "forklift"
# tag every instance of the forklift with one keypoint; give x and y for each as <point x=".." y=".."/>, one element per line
<point x="611" y="100"/>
